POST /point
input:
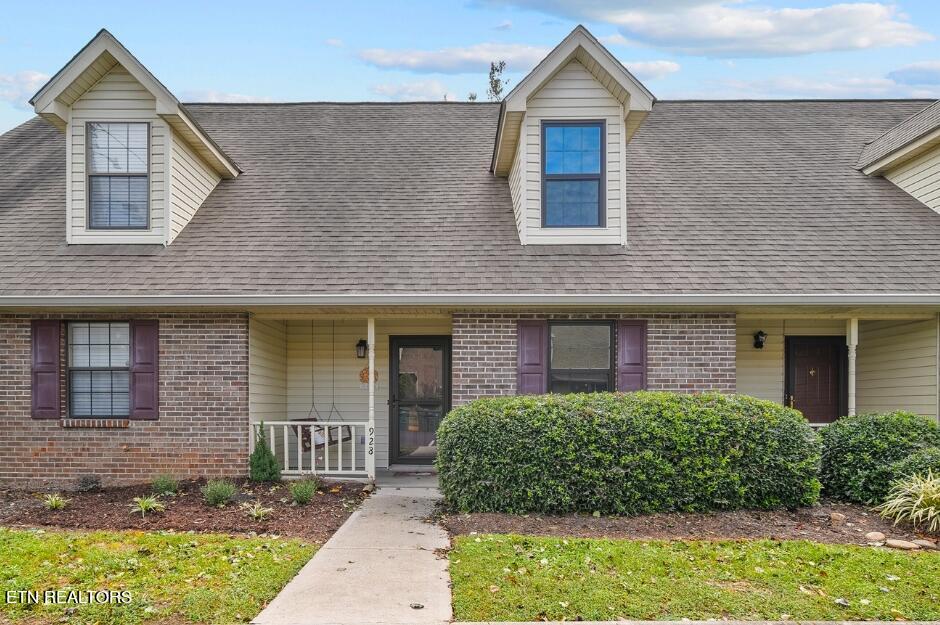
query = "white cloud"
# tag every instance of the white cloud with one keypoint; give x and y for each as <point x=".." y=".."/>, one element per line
<point x="18" y="88"/>
<point x="614" y="40"/>
<point x="651" y="70"/>
<point x="334" y="42"/>
<point x="212" y="96"/>
<point x="830" y="86"/>
<point x="803" y="87"/>
<point x="922" y="73"/>
<point x="475" y="58"/>
<point x="740" y="28"/>
<point x="419" y="90"/>
<point x="505" y="25"/>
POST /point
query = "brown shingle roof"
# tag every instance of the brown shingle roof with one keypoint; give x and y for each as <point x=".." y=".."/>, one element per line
<point x="723" y="197"/>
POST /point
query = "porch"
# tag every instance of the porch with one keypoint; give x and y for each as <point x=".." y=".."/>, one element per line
<point x="321" y="410"/>
<point x="843" y="363"/>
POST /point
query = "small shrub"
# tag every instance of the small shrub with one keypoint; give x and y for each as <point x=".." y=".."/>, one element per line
<point x="626" y="454"/>
<point x="164" y="484"/>
<point x="859" y="453"/>
<point x="303" y="491"/>
<point x="218" y="492"/>
<point x="916" y="500"/>
<point x="88" y="483"/>
<point x="256" y="510"/>
<point x="147" y="504"/>
<point x="55" y="501"/>
<point x="262" y="465"/>
<point x="920" y="462"/>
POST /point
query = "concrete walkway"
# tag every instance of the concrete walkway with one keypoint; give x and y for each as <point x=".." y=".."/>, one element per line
<point x="378" y="565"/>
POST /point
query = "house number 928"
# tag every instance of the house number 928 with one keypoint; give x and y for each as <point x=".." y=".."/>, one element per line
<point x="371" y="440"/>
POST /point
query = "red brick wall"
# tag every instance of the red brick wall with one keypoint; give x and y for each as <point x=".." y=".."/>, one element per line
<point x="687" y="352"/>
<point x="202" y="429"/>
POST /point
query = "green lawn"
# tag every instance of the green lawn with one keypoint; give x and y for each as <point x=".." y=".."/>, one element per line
<point x="174" y="577"/>
<point x="521" y="578"/>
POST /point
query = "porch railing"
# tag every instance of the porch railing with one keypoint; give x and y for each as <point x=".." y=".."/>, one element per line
<point x="316" y="447"/>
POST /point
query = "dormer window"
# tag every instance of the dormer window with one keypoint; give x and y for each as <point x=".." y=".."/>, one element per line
<point x="572" y="174"/>
<point x="118" y="168"/>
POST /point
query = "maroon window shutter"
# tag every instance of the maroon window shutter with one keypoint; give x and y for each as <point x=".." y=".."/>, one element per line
<point x="144" y="365"/>
<point x="631" y="355"/>
<point x="45" y="368"/>
<point x="532" y="364"/>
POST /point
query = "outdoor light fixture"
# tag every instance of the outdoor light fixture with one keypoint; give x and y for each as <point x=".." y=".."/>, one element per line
<point x="361" y="348"/>
<point x="760" y="337"/>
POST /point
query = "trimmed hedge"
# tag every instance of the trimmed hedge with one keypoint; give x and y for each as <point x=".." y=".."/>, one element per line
<point x="626" y="454"/>
<point x="860" y="453"/>
<point x="918" y="463"/>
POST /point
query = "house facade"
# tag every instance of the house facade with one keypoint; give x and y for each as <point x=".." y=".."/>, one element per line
<point x="177" y="280"/>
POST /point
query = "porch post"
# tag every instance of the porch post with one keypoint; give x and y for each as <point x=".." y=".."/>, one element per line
<point x="370" y="451"/>
<point x="851" y="341"/>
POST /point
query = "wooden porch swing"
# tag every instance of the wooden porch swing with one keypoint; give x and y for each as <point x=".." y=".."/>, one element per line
<point x="309" y="439"/>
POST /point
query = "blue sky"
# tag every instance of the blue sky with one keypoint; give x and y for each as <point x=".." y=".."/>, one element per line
<point x="386" y="50"/>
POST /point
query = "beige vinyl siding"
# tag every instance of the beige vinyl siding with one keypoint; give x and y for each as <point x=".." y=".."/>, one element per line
<point x="517" y="187"/>
<point x="897" y="366"/>
<point x="190" y="184"/>
<point x="573" y="94"/>
<point x="117" y="96"/>
<point x="343" y="393"/>
<point x="267" y="370"/>
<point x="760" y="372"/>
<point x="920" y="178"/>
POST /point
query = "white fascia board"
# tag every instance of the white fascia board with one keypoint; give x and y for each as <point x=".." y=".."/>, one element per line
<point x="904" y="153"/>
<point x="473" y="299"/>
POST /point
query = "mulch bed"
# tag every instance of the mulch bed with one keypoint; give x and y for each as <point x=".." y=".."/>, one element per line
<point x="110" y="509"/>
<point x="803" y="524"/>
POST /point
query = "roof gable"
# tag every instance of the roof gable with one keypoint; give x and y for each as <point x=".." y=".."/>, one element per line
<point x="582" y="46"/>
<point x="95" y="60"/>
<point x="913" y="136"/>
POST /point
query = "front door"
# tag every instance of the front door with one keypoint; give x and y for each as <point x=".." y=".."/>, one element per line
<point x="419" y="398"/>
<point x="816" y="376"/>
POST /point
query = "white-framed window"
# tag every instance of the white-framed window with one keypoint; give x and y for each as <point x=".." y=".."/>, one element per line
<point x="118" y="164"/>
<point x="99" y="369"/>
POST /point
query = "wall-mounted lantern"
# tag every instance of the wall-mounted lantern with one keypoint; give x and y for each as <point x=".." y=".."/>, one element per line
<point x="760" y="337"/>
<point x="361" y="347"/>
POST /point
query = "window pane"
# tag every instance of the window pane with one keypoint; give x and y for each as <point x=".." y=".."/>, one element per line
<point x="580" y="346"/>
<point x="81" y="381"/>
<point x="99" y="333"/>
<point x="99" y="356"/>
<point x="572" y="138"/>
<point x="78" y="356"/>
<point x="120" y="198"/>
<point x="572" y="202"/>
<point x="579" y="382"/>
<point x="137" y="148"/>
<point x="119" y="332"/>
<point x="117" y="148"/>
<point x="554" y="138"/>
<point x="118" y="202"/>
<point x="573" y="149"/>
<point x="98" y="148"/>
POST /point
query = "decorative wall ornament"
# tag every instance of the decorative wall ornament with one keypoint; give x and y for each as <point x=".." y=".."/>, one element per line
<point x="364" y="375"/>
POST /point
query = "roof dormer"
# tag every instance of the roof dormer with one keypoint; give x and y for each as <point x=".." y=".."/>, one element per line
<point x="138" y="166"/>
<point x="562" y="139"/>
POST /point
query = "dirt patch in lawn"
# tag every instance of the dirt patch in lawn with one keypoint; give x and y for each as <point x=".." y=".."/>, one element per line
<point x="814" y="523"/>
<point x="110" y="509"/>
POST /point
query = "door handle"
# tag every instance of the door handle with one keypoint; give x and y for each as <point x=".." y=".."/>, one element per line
<point x="791" y="401"/>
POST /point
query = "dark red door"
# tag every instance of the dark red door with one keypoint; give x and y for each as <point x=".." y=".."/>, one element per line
<point x="815" y="377"/>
